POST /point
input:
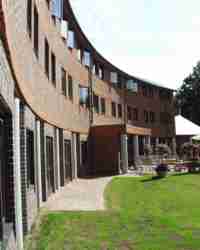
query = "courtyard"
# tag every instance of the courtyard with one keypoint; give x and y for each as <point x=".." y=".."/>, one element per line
<point x="140" y="214"/>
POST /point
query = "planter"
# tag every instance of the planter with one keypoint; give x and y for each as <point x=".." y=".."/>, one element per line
<point x="161" y="174"/>
<point x="162" y="170"/>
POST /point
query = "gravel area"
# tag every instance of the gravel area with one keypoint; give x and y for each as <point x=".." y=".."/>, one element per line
<point x="79" y="195"/>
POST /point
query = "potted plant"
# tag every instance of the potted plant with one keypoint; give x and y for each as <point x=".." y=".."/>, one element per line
<point x="162" y="170"/>
<point x="163" y="151"/>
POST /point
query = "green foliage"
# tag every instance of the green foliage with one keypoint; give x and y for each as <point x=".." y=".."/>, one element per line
<point x="163" y="150"/>
<point x="148" y="150"/>
<point x="142" y="214"/>
<point x="188" y="96"/>
<point x="190" y="150"/>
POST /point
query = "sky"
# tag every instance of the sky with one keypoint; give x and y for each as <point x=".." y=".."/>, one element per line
<point x="157" y="40"/>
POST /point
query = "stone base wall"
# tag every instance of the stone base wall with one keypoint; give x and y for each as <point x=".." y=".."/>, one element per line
<point x="31" y="207"/>
<point x="9" y="238"/>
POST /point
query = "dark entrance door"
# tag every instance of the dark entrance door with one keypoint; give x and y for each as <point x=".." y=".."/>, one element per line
<point x="2" y="184"/>
<point x="50" y="164"/>
<point x="141" y="145"/>
<point x="130" y="151"/>
<point x="68" y="160"/>
<point x="78" y="155"/>
<point x="30" y="158"/>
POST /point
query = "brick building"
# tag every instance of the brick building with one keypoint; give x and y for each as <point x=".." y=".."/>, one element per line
<point x="65" y="111"/>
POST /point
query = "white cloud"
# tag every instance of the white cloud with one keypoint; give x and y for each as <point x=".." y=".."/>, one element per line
<point x="157" y="40"/>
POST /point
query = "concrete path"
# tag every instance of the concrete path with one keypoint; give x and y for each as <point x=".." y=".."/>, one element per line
<point x="79" y="195"/>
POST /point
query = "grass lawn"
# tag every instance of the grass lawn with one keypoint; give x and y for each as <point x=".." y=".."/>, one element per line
<point x="143" y="214"/>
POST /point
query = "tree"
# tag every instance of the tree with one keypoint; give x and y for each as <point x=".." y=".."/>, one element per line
<point x="188" y="96"/>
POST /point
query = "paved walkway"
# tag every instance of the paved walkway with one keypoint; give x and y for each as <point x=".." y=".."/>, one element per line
<point x="79" y="195"/>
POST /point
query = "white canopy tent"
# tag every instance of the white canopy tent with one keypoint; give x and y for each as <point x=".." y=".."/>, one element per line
<point x="186" y="127"/>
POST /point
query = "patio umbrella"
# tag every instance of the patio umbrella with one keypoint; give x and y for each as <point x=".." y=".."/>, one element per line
<point x="196" y="138"/>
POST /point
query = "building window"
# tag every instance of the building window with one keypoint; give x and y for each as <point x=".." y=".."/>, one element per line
<point x="135" y="114"/>
<point x="84" y="152"/>
<point x="120" y="81"/>
<point x="152" y="117"/>
<point x="96" y="103"/>
<point x="144" y="91"/>
<point x="46" y="57"/>
<point x="50" y="164"/>
<point x="129" y="113"/>
<point x="64" y="81"/>
<point x="114" y="113"/>
<point x="30" y="158"/>
<point x="103" y="106"/>
<point x="29" y="17"/>
<point x="84" y="96"/>
<point x="53" y="68"/>
<point x="151" y="92"/>
<point x="101" y="72"/>
<point x="36" y="31"/>
<point x="119" y="110"/>
<point x="68" y="159"/>
<point x="146" y="116"/>
<point x="70" y="87"/>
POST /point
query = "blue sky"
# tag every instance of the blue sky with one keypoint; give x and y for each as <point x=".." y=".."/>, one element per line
<point x="154" y="39"/>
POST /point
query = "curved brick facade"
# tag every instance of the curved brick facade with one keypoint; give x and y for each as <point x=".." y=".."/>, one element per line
<point x="44" y="99"/>
<point x="54" y="138"/>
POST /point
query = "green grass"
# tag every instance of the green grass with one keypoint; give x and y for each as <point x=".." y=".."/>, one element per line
<point x="142" y="215"/>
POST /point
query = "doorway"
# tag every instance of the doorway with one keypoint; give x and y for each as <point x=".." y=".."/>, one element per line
<point x="50" y="165"/>
<point x="2" y="179"/>
<point x="68" y="160"/>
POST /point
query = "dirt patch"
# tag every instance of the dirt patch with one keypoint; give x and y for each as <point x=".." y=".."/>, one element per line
<point x="176" y="237"/>
<point x="126" y="245"/>
<point x="104" y="246"/>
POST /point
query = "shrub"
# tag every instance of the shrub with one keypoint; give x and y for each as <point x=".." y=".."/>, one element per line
<point x="148" y="150"/>
<point x="163" y="150"/>
<point x="190" y="150"/>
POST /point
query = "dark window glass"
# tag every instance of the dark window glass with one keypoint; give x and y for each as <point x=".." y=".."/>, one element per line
<point x="152" y="117"/>
<point x="119" y="110"/>
<point x="36" y="31"/>
<point x="144" y="90"/>
<point x="129" y="113"/>
<point x="68" y="160"/>
<point x="50" y="164"/>
<point x="103" y="106"/>
<point x="135" y="114"/>
<point x="146" y="116"/>
<point x="120" y="81"/>
<point x="96" y="103"/>
<point x="64" y="82"/>
<point x="53" y="68"/>
<point x="30" y="158"/>
<point x="84" y="152"/>
<point x="114" y="113"/>
<point x="46" y="57"/>
<point x="70" y="87"/>
<point x="151" y="92"/>
<point x="29" y="17"/>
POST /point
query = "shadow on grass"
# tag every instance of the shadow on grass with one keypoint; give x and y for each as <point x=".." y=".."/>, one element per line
<point x="98" y="176"/>
<point x="153" y="178"/>
<point x="157" y="178"/>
